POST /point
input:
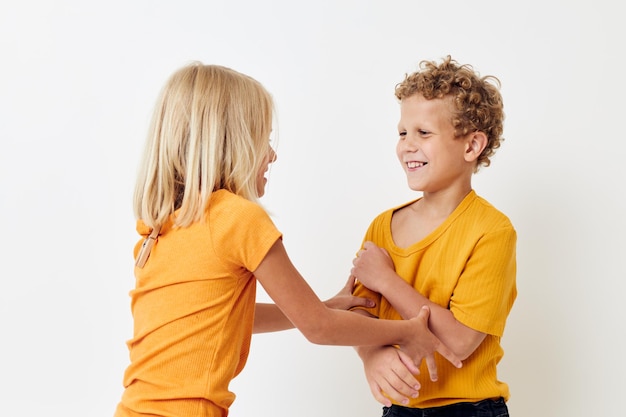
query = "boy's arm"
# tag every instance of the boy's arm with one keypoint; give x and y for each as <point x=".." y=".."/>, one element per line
<point x="388" y="376"/>
<point x="374" y="269"/>
<point x="269" y="318"/>
<point x="384" y="372"/>
<point x="389" y="373"/>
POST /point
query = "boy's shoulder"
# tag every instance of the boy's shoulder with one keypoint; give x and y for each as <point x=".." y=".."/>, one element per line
<point x="482" y="209"/>
<point x="473" y="209"/>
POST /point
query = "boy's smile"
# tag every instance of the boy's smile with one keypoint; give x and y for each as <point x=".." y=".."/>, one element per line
<point x="432" y="157"/>
<point x="414" y="164"/>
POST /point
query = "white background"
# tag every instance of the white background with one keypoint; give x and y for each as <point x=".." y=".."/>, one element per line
<point x="78" y="81"/>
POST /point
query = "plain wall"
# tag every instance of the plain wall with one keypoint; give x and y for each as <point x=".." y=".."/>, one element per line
<point x="77" y="84"/>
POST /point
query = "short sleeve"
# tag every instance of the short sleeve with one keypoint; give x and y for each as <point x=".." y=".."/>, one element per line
<point x="486" y="290"/>
<point x="242" y="232"/>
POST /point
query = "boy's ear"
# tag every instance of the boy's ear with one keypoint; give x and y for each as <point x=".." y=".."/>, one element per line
<point x="476" y="143"/>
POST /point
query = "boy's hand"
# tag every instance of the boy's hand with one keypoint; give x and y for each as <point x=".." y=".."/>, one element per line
<point x="344" y="300"/>
<point x="422" y="344"/>
<point x="388" y="375"/>
<point x="372" y="266"/>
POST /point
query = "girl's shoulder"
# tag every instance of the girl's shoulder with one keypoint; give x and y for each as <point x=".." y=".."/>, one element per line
<point x="226" y="201"/>
<point x="227" y="211"/>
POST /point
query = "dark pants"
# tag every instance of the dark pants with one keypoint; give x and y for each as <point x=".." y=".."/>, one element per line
<point x="484" y="408"/>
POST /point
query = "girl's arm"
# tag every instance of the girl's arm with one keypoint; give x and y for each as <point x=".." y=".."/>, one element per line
<point x="323" y="325"/>
<point x="269" y="318"/>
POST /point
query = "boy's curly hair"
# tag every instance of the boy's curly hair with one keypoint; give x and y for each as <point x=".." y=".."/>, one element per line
<point x="477" y="99"/>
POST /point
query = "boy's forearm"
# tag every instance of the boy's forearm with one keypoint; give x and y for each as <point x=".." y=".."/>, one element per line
<point x="407" y="301"/>
<point x="269" y="318"/>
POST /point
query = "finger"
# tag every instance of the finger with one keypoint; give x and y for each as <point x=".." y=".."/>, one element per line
<point x="424" y="313"/>
<point x="432" y="367"/>
<point x="400" y="394"/>
<point x="350" y="284"/>
<point x="441" y="348"/>
<point x="368" y="245"/>
<point x="449" y="355"/>
<point x="378" y="395"/>
<point x="372" y="246"/>
<point x="410" y="365"/>
<point x="398" y="381"/>
<point x="362" y="301"/>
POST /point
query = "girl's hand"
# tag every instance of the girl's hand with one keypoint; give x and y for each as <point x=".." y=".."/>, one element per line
<point x="421" y="344"/>
<point x="344" y="300"/>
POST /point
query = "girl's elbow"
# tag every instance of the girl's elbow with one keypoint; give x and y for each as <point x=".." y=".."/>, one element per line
<point x="316" y="329"/>
<point x="315" y="334"/>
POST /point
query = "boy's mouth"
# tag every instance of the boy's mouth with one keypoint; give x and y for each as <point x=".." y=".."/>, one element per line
<point x="415" y="164"/>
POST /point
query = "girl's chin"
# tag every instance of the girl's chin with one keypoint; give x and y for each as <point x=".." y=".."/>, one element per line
<point x="260" y="189"/>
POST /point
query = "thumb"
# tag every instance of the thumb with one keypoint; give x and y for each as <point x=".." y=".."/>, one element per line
<point x="424" y="313"/>
<point x="350" y="283"/>
<point x="363" y="301"/>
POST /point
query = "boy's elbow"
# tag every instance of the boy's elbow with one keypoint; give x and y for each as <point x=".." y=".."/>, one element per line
<point x="463" y="349"/>
<point x="463" y="354"/>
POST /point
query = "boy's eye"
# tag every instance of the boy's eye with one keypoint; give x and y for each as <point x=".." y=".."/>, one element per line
<point x="423" y="132"/>
<point x="402" y="134"/>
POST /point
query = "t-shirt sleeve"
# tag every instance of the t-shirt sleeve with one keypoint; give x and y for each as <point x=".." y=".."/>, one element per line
<point x="486" y="289"/>
<point x="244" y="233"/>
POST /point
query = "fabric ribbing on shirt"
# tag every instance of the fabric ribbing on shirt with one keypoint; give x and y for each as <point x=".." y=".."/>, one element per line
<point x="467" y="265"/>
<point x="193" y="310"/>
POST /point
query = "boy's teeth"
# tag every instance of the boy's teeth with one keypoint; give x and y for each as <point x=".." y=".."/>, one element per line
<point x="415" y="164"/>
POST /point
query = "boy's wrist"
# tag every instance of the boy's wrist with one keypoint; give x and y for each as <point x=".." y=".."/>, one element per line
<point x="387" y="283"/>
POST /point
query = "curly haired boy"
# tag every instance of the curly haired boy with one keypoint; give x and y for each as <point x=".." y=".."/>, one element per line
<point x="449" y="249"/>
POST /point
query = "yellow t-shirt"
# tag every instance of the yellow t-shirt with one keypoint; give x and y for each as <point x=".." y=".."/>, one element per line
<point x="193" y="310"/>
<point x="468" y="266"/>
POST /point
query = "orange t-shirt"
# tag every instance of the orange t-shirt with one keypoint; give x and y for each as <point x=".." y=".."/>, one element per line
<point x="193" y="310"/>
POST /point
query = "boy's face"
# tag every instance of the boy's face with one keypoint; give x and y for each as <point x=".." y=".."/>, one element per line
<point x="432" y="158"/>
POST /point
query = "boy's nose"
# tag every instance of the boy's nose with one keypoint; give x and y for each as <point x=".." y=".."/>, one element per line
<point x="410" y="145"/>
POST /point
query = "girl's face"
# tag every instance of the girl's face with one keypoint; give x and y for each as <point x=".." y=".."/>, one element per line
<point x="260" y="177"/>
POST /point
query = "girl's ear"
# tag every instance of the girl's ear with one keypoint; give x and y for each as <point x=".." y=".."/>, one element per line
<point x="476" y="143"/>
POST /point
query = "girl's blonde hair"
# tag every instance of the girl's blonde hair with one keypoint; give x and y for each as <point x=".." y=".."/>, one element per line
<point x="209" y="131"/>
